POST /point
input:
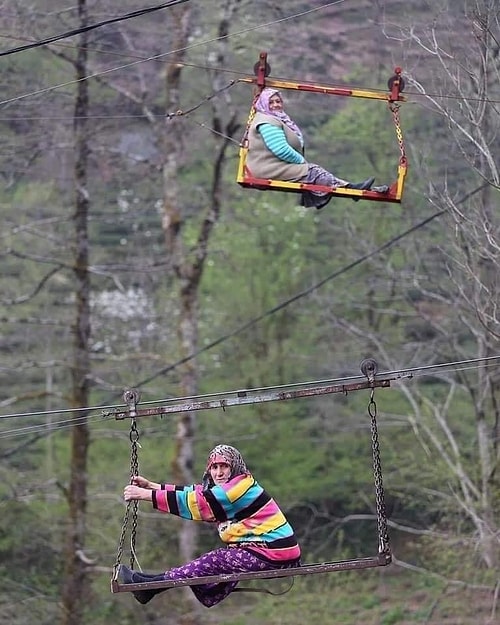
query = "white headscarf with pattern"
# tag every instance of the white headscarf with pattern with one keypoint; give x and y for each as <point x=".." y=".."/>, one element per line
<point x="263" y="106"/>
<point x="224" y="453"/>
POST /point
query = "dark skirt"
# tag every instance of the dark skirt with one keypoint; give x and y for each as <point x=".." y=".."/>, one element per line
<point x="320" y="176"/>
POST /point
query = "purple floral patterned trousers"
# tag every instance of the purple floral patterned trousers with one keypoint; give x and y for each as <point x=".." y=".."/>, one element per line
<point x="218" y="562"/>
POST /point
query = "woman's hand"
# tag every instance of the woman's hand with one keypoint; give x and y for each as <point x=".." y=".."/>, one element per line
<point x="140" y="489"/>
<point x="143" y="482"/>
<point x="131" y="492"/>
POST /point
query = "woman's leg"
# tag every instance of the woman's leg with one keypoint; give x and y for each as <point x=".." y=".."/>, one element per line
<point x="130" y="576"/>
<point x="218" y="562"/>
<point x="318" y="175"/>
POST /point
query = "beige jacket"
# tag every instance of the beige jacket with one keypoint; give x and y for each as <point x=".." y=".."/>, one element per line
<point x="262" y="163"/>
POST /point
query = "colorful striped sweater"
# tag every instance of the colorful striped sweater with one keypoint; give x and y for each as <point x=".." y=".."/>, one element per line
<point x="243" y="510"/>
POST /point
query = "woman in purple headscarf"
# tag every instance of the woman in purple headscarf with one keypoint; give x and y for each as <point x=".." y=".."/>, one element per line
<point x="256" y="534"/>
<point x="275" y="152"/>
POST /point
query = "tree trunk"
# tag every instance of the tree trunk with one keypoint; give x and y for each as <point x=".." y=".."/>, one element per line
<point x="172" y="226"/>
<point x="189" y="269"/>
<point x="74" y="590"/>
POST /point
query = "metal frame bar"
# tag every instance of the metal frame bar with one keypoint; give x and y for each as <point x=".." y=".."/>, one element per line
<point x="383" y="559"/>
<point x="245" y="179"/>
<point x="374" y="94"/>
<point x="248" y="396"/>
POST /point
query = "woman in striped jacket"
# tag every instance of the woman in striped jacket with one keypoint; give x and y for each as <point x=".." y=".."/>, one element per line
<point x="275" y="152"/>
<point x="256" y="534"/>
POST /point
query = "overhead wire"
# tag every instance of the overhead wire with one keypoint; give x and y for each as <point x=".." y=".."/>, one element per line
<point x="396" y="374"/>
<point x="50" y="427"/>
<point x="267" y="313"/>
<point x="291" y="299"/>
<point x="182" y="64"/>
<point x="255" y="320"/>
<point x="295" y="297"/>
<point x="59" y="411"/>
<point x="161" y="55"/>
<point x="140" y="12"/>
<point x="85" y="29"/>
<point x="245" y="75"/>
<point x="42" y="429"/>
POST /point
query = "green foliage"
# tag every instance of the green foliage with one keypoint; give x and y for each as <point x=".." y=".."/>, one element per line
<point x="29" y="551"/>
<point x="393" y="616"/>
<point x="259" y="257"/>
<point x="284" y="298"/>
<point x="368" y="597"/>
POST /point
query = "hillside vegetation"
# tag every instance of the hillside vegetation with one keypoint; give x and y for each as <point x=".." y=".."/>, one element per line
<point x="132" y="259"/>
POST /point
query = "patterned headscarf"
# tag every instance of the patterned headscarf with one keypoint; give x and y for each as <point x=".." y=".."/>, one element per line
<point x="262" y="106"/>
<point x="224" y="453"/>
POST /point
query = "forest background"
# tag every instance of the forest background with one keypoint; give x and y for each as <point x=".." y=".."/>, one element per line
<point x="131" y="258"/>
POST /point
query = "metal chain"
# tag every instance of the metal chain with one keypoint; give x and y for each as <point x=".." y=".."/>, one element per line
<point x="383" y="534"/>
<point x="134" y="470"/>
<point x="131" y="505"/>
<point x="399" y="133"/>
<point x="122" y="537"/>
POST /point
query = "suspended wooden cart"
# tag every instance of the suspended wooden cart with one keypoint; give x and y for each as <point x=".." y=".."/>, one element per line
<point x="392" y="193"/>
